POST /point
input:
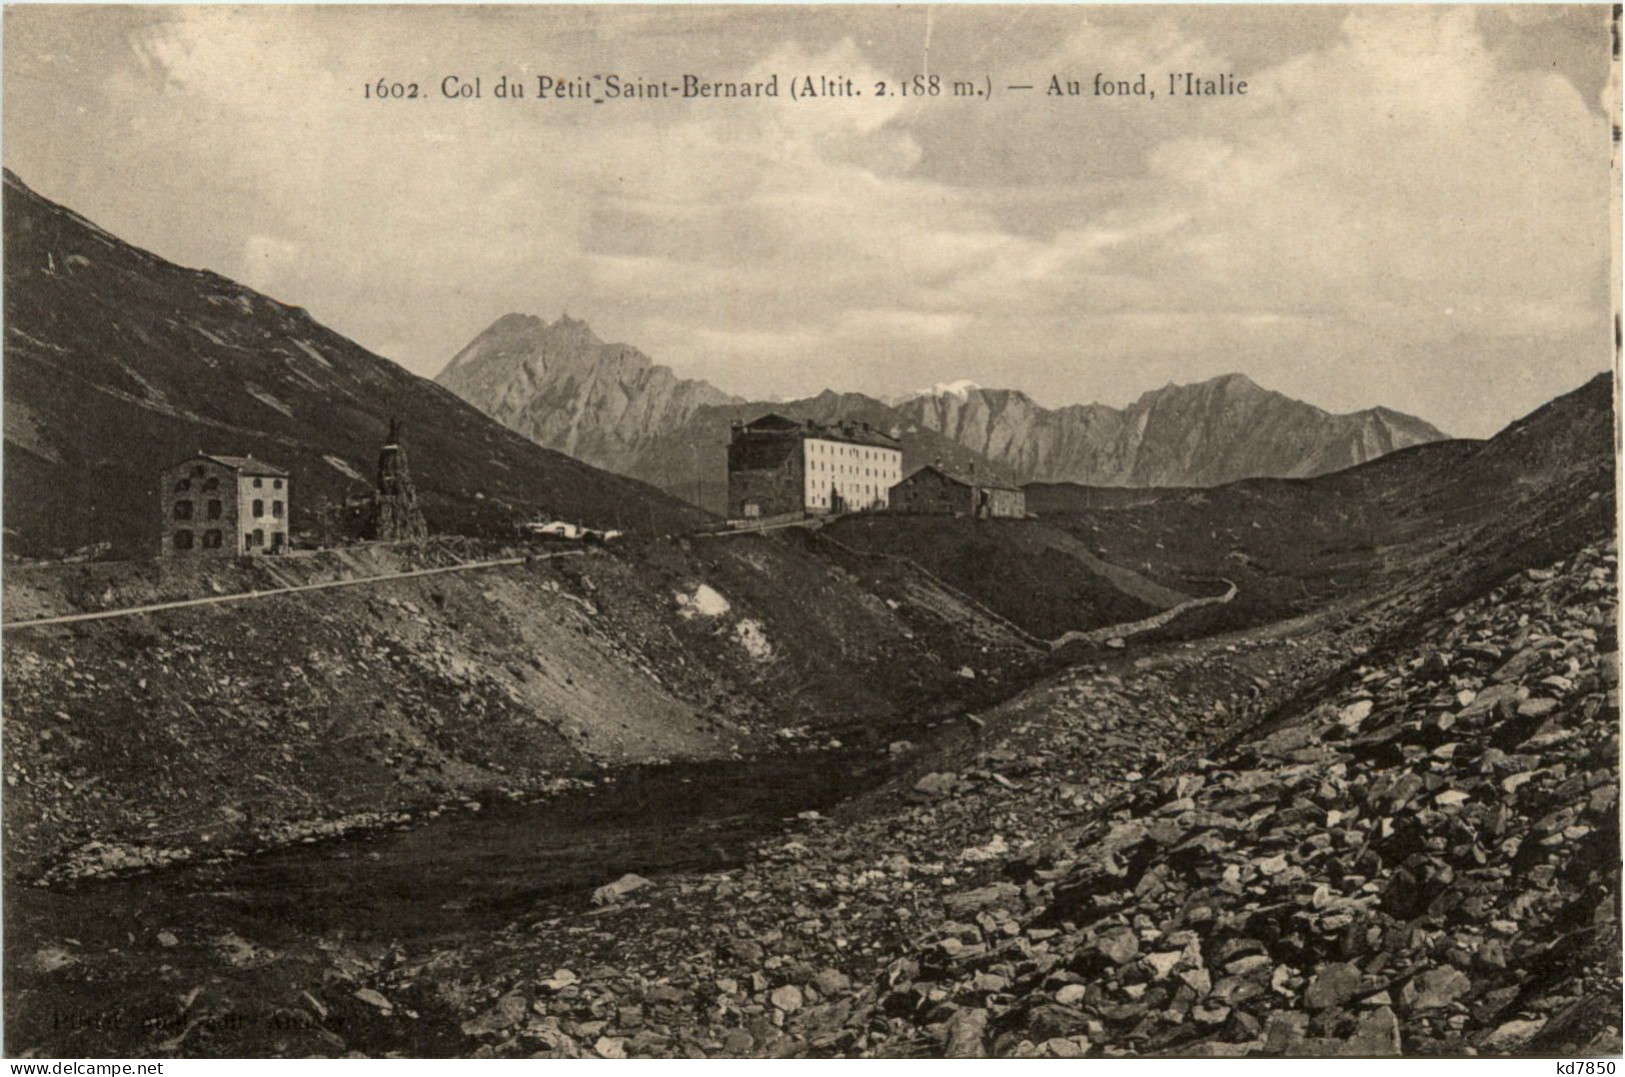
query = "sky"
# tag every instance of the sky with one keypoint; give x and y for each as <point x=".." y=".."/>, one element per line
<point x="1409" y="207"/>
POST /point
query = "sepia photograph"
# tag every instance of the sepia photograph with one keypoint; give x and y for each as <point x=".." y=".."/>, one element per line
<point x="819" y="531"/>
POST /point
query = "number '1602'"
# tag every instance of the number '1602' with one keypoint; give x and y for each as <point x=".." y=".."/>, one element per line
<point x="383" y="90"/>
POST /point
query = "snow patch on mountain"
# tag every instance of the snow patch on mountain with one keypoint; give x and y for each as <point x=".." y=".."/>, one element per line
<point x="961" y="388"/>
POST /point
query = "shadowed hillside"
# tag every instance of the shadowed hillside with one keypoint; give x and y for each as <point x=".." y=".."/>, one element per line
<point x="1039" y="577"/>
<point x="118" y="363"/>
<point x="1292" y="544"/>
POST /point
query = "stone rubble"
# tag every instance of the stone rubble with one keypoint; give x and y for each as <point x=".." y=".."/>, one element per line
<point x="1423" y="861"/>
<point x="1360" y="835"/>
<point x="1427" y="864"/>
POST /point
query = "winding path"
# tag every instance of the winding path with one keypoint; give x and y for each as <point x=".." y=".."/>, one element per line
<point x="1134" y="628"/>
<point x="1093" y="635"/>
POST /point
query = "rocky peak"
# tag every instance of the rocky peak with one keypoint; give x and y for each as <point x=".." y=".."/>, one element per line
<point x="560" y="384"/>
<point x="1224" y="387"/>
<point x="574" y="327"/>
<point x="1231" y="383"/>
<point x="516" y="323"/>
<point x="563" y="386"/>
<point x="1202" y="434"/>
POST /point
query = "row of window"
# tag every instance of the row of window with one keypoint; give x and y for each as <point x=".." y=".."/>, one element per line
<point x="859" y="494"/>
<point x="822" y="501"/>
<point x="213" y="482"/>
<point x="826" y="448"/>
<point x="213" y="538"/>
<point x="183" y="509"/>
<point x="825" y="465"/>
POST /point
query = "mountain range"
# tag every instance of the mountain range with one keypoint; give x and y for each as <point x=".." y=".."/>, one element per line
<point x="118" y="363"/>
<point x="1205" y="434"/>
<point x="561" y="385"/>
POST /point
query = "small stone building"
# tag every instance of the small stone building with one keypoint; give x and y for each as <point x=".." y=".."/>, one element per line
<point x="936" y="489"/>
<point x="779" y="466"/>
<point x="223" y="506"/>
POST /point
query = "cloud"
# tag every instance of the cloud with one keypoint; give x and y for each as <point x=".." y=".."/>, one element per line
<point x="1400" y="193"/>
<point x="1399" y="171"/>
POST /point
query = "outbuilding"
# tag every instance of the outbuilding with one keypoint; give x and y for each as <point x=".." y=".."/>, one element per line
<point x="936" y="489"/>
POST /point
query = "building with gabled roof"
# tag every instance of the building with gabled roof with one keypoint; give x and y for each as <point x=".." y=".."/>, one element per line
<point x="936" y="488"/>
<point x="779" y="466"/>
<point x="216" y="505"/>
<point x="246" y="464"/>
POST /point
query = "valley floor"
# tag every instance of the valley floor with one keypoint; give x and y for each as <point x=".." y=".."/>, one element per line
<point x="1413" y="850"/>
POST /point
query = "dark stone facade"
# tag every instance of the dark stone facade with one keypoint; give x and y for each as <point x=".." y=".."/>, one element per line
<point x="1001" y="502"/>
<point x="222" y="506"/>
<point x="933" y="490"/>
<point x="198" y="510"/>
<point x="766" y="476"/>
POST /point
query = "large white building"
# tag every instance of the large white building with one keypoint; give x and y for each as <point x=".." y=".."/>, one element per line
<point x="778" y="466"/>
<point x="849" y="475"/>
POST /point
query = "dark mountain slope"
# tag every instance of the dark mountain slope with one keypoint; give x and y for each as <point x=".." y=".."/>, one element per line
<point x="1039" y="577"/>
<point x="118" y="363"/>
<point x="1291" y="543"/>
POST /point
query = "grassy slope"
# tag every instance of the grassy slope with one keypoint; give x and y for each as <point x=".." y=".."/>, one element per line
<point x="1294" y="544"/>
<point x="1040" y="578"/>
